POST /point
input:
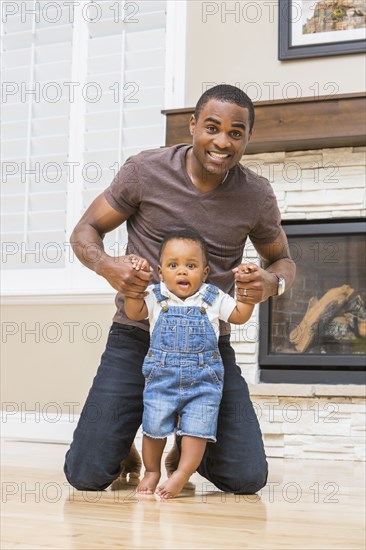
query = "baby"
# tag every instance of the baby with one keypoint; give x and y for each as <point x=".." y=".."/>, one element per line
<point x="183" y="370"/>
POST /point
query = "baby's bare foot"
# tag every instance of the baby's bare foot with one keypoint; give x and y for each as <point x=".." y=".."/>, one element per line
<point x="148" y="483"/>
<point x="172" y="486"/>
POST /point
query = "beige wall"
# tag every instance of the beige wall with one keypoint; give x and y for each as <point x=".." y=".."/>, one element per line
<point x="221" y="50"/>
<point x="50" y="353"/>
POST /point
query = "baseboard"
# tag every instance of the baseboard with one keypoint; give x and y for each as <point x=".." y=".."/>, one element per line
<point x="33" y="427"/>
<point x="30" y="426"/>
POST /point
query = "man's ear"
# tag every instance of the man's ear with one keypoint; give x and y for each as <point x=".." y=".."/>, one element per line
<point x="160" y="273"/>
<point x="192" y="124"/>
<point x="205" y="273"/>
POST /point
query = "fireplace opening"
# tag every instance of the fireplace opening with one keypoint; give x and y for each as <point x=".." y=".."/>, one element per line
<point x="316" y="332"/>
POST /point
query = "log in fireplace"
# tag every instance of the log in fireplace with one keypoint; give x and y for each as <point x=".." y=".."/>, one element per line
<point x="316" y="332"/>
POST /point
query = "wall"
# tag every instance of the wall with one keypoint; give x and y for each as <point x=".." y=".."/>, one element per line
<point x="304" y="421"/>
<point x="219" y="49"/>
<point x="50" y="354"/>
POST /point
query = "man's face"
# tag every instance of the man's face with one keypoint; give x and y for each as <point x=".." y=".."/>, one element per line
<point x="220" y="135"/>
<point x="182" y="268"/>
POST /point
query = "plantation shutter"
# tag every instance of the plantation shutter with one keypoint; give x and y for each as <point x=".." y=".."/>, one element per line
<point x="35" y="120"/>
<point x="126" y="68"/>
<point x="110" y="58"/>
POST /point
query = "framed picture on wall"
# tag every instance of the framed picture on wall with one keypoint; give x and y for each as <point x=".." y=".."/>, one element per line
<point x="315" y="28"/>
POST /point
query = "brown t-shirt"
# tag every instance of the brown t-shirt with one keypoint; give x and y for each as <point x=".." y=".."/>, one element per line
<point x="154" y="190"/>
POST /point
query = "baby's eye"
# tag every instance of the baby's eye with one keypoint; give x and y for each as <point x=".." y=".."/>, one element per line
<point x="172" y="265"/>
<point x="191" y="266"/>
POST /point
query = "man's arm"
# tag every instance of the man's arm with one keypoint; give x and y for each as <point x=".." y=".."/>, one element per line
<point x="259" y="285"/>
<point x="87" y="242"/>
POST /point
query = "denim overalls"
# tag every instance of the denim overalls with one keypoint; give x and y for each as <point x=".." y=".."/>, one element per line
<point x="183" y="371"/>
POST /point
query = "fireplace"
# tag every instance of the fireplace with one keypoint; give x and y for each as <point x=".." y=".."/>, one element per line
<point x="316" y="332"/>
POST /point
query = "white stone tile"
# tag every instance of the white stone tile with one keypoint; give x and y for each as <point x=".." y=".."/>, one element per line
<point x="345" y="390"/>
<point x="336" y="151"/>
<point x="319" y="215"/>
<point x="313" y="161"/>
<point x="348" y="213"/>
<point x="266" y="157"/>
<point x="273" y="440"/>
<point x="324" y="198"/>
<point x="274" y="452"/>
<point x="352" y="408"/>
<point x="291" y="390"/>
<point x="271" y="428"/>
<point x="304" y="154"/>
<point x="293" y="215"/>
<point x="307" y="424"/>
<point x="249" y="348"/>
<point x="320" y="443"/>
<point x="360" y="451"/>
<point x="344" y="157"/>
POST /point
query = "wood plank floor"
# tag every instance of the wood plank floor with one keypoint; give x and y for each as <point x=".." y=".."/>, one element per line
<point x="306" y="504"/>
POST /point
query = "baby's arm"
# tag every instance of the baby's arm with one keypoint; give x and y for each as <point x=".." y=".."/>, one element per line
<point x="136" y="308"/>
<point x="242" y="312"/>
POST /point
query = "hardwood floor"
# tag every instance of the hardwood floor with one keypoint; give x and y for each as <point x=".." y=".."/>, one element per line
<point x="306" y="504"/>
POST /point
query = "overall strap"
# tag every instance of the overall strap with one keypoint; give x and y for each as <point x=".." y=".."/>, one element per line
<point x="160" y="298"/>
<point x="210" y="295"/>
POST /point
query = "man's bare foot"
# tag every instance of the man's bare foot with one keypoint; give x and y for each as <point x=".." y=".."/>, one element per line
<point x="172" y="486"/>
<point x="131" y="466"/>
<point x="172" y="460"/>
<point x="148" y="483"/>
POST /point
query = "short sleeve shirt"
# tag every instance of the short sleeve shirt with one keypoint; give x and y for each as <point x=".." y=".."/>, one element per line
<point x="156" y="195"/>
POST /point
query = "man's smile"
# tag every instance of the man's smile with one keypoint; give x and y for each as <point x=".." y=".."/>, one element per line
<point x="218" y="156"/>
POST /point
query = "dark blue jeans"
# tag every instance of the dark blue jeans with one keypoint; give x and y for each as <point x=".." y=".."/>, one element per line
<point x="113" y="410"/>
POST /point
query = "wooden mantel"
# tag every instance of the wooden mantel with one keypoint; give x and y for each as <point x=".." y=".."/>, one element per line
<point x="292" y="124"/>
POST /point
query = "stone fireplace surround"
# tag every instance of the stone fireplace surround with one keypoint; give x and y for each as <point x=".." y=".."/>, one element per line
<point x="309" y="420"/>
<point x="319" y="174"/>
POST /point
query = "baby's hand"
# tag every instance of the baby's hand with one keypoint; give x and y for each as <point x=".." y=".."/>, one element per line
<point x="245" y="268"/>
<point x="139" y="263"/>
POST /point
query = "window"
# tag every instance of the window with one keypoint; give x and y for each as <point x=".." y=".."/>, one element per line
<point x="83" y="87"/>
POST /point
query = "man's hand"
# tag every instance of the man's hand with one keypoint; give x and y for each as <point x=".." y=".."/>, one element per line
<point x="254" y="284"/>
<point x="124" y="277"/>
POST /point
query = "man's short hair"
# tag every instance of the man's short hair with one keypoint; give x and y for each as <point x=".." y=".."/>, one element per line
<point x="185" y="235"/>
<point x="229" y="94"/>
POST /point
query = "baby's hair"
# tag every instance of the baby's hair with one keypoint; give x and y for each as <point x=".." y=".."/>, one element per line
<point x="185" y="235"/>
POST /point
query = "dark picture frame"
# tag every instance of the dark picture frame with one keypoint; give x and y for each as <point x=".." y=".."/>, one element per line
<point x="287" y="50"/>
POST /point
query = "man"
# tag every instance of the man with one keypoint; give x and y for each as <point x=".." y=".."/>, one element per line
<point x="203" y="188"/>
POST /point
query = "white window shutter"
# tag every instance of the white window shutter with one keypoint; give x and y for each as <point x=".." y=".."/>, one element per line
<point x="36" y="60"/>
<point x="115" y="53"/>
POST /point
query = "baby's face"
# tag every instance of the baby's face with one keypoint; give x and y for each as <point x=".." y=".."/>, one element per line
<point x="183" y="268"/>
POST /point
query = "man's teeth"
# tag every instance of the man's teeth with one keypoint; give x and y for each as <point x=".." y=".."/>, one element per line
<point x="218" y="155"/>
